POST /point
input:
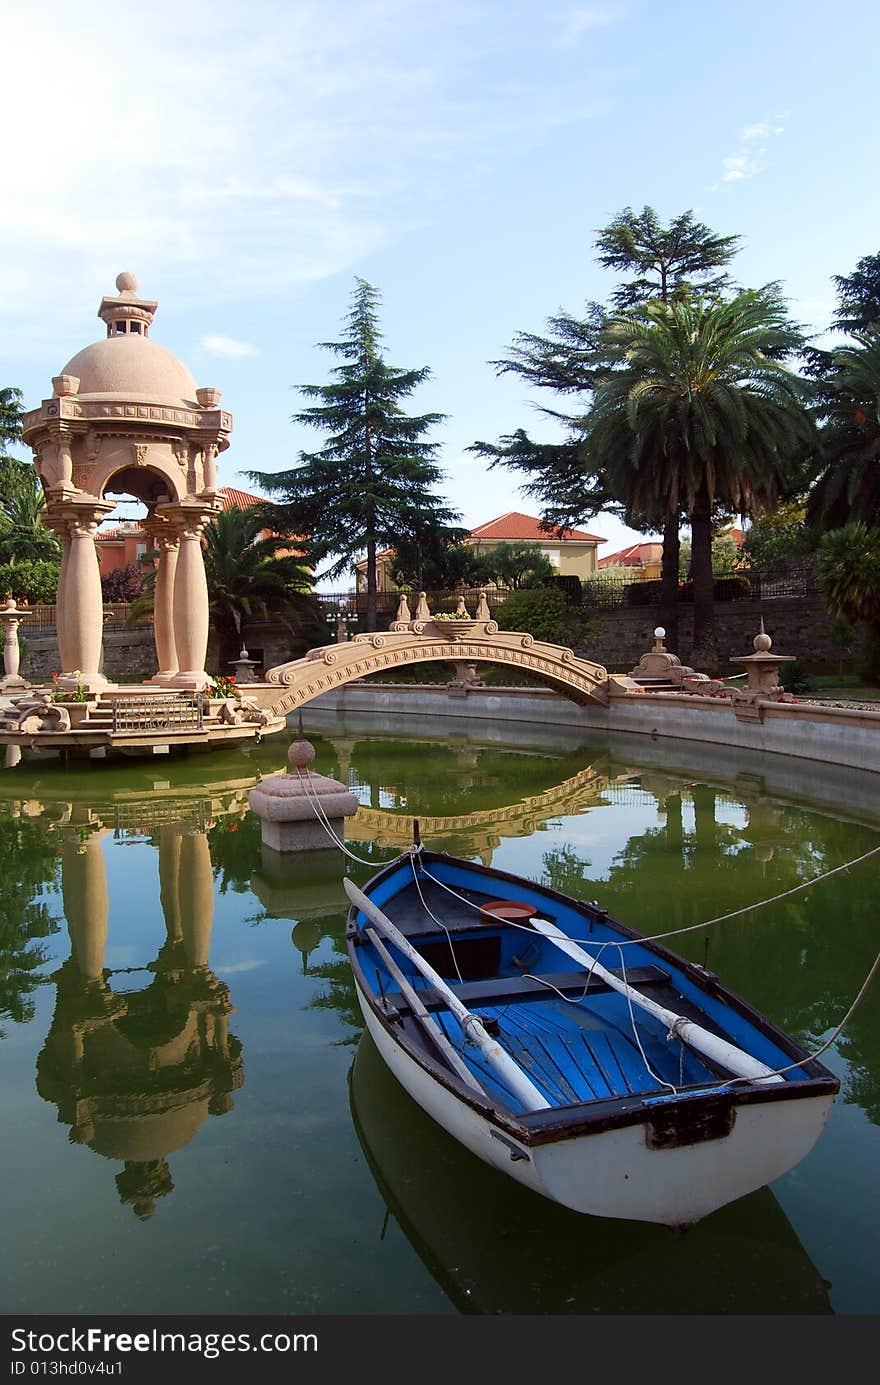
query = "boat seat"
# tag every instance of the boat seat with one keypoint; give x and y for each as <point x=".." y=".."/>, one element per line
<point x="497" y="990"/>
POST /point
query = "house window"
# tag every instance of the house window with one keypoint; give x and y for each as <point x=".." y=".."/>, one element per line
<point x="120" y="327"/>
<point x="140" y="549"/>
<point x="134" y="327"/>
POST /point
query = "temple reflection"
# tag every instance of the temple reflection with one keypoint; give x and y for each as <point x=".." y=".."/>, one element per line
<point x="135" y="1073"/>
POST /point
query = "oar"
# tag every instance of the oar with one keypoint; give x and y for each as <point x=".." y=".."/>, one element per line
<point x="511" y="1073"/>
<point x="730" y="1057"/>
<point x="415" y="1003"/>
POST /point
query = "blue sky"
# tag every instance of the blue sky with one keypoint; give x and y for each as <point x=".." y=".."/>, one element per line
<point x="247" y="161"/>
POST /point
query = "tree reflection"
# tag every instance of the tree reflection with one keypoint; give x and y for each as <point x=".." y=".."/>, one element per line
<point x="29" y="865"/>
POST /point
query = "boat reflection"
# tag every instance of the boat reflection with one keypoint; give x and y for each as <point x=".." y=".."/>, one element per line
<point x="494" y="1247"/>
<point x="134" y="1073"/>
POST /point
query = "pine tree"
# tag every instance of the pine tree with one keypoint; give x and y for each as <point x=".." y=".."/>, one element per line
<point x="667" y="263"/>
<point x="371" y="483"/>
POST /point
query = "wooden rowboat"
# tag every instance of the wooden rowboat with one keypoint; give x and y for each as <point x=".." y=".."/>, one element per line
<point x="586" y="1061"/>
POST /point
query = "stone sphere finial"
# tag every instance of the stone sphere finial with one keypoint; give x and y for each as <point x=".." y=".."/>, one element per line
<point x="126" y="282"/>
<point x="762" y="640"/>
<point x="301" y="754"/>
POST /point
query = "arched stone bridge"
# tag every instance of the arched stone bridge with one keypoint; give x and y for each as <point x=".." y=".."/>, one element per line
<point x="430" y="641"/>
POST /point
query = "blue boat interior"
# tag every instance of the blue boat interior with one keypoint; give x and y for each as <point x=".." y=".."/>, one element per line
<point x="579" y="1040"/>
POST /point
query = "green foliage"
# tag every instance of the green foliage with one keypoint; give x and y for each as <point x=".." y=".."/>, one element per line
<point x="699" y="414"/>
<point x="725" y="556"/>
<point x="777" y="534"/>
<point x="670" y="262"/>
<point x="513" y="565"/>
<point x="848" y="570"/>
<point x="371" y="483"/>
<point x="848" y="485"/>
<point x="568" y="480"/>
<point x="794" y="679"/>
<point x="29" y="864"/>
<point x="858" y="296"/>
<point x="23" y="534"/>
<point x="434" y="559"/>
<point x="32" y="580"/>
<point x="543" y="613"/>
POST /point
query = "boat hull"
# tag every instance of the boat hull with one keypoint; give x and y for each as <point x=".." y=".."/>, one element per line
<point x="616" y="1172"/>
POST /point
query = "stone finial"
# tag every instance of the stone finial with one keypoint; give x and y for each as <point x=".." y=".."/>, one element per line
<point x="422" y="612"/>
<point x="403" y="612"/>
<point x="483" y="608"/>
<point x="126" y="282"/>
<point x="300" y="755"/>
<point x="461" y="610"/>
<point x="762" y="640"/>
<point x="659" y="636"/>
<point x="65" y="385"/>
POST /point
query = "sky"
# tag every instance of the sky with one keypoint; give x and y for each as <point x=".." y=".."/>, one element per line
<point x="249" y="160"/>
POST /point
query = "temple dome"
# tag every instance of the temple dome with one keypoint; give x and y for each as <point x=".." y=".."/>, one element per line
<point x="132" y="369"/>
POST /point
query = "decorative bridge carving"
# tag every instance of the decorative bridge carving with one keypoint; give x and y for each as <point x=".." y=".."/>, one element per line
<point x="429" y="641"/>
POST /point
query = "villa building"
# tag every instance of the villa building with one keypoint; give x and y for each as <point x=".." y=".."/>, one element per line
<point x="573" y="552"/>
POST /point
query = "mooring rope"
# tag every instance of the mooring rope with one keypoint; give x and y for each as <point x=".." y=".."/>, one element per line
<point x="628" y="942"/>
<point x="416" y="849"/>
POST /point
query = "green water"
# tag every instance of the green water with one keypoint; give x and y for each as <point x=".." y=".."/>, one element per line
<point x="193" y="1122"/>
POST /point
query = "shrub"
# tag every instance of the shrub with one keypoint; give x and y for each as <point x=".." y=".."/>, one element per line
<point x="794" y="679"/>
<point x="125" y="584"/>
<point x="34" y="580"/>
<point x="544" y="613"/>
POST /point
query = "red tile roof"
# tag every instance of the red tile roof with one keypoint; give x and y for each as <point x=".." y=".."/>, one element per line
<point x="232" y="498"/>
<point x="525" y="528"/>
<point x="634" y="556"/>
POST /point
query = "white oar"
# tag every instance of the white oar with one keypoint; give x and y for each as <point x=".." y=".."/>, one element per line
<point x="414" y="1000"/>
<point x="730" y="1057"/>
<point x="510" y="1072"/>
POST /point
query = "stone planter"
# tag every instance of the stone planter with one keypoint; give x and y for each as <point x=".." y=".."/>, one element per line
<point x="454" y="629"/>
<point x="77" y="711"/>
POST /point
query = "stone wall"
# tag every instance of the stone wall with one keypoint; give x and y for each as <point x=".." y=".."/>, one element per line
<point x="129" y="655"/>
<point x="797" y="625"/>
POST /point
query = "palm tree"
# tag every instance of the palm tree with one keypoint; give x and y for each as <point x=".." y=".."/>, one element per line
<point x="848" y="490"/>
<point x="249" y="575"/>
<point x="23" y="533"/>
<point x="849" y="573"/>
<point x="700" y="414"/>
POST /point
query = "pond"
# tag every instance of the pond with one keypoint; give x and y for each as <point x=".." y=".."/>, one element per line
<point x="195" y="1123"/>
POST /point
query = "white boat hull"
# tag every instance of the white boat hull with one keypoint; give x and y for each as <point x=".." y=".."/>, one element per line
<point x="614" y="1173"/>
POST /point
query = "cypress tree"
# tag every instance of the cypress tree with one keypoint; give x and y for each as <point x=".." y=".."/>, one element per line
<point x="371" y="483"/>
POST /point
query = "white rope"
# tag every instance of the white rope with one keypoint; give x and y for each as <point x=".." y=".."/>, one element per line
<point x="432" y="915"/>
<point x="692" y="927"/>
<point x="318" y="809"/>
<point x="627" y="942"/>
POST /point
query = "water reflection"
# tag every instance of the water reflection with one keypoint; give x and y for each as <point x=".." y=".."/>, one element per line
<point x="496" y="1247"/>
<point x="110" y="986"/>
<point x="134" y="1073"/>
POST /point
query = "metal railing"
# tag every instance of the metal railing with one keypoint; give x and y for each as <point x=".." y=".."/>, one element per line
<point x="41" y="617"/>
<point x="160" y="713"/>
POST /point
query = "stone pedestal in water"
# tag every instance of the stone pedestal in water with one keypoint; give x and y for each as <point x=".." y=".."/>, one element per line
<point x="291" y="807"/>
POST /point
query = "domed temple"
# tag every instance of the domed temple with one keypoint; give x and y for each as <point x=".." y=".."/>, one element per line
<point x="126" y="417"/>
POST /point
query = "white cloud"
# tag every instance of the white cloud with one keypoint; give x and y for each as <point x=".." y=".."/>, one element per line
<point x="239" y="147"/>
<point x="228" y="346"/>
<point x="582" y="19"/>
<point x="747" y="161"/>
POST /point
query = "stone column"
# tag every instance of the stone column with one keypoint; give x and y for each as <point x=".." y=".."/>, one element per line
<point x="166" y="541"/>
<point x="12" y="617"/>
<point x="86" y="901"/>
<point x="190" y="599"/>
<point x="169" y="882"/>
<point x="196" y="894"/>
<point x="82" y="601"/>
